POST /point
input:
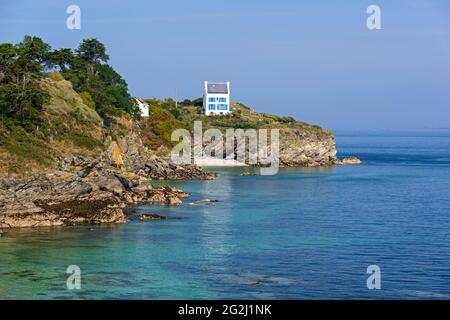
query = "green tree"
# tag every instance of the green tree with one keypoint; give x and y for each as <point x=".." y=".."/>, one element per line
<point x="92" y="51"/>
<point x="33" y="52"/>
<point x="62" y="58"/>
<point x="117" y="88"/>
<point x="21" y="97"/>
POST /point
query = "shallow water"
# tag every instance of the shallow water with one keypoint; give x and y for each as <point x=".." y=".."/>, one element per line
<point x="304" y="233"/>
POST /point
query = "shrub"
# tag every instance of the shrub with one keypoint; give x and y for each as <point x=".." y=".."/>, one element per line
<point x="87" y="99"/>
<point x="55" y="76"/>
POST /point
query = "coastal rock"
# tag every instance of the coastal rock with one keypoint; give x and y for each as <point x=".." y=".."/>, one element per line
<point x="85" y="190"/>
<point x="151" y="216"/>
<point x="306" y="149"/>
<point x="208" y="200"/>
<point x="193" y="204"/>
<point x="248" y="174"/>
<point x="349" y="160"/>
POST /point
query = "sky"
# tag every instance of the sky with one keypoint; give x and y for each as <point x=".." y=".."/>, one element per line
<point x="315" y="60"/>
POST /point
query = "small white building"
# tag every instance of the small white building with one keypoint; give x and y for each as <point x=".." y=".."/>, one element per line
<point x="216" y="99"/>
<point x="143" y="106"/>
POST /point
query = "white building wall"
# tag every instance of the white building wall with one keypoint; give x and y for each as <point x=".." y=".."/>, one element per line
<point x="143" y="107"/>
<point x="217" y="96"/>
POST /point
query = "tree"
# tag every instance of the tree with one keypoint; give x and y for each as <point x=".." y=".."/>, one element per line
<point x="21" y="97"/>
<point x="61" y="58"/>
<point x="23" y="103"/>
<point x="198" y="102"/>
<point x="8" y="55"/>
<point x="33" y="52"/>
<point x="117" y="88"/>
<point x="92" y="51"/>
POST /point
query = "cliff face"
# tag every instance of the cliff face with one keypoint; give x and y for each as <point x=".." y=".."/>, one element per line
<point x="298" y="148"/>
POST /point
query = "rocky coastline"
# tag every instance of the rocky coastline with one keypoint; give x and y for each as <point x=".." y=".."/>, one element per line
<point x="85" y="190"/>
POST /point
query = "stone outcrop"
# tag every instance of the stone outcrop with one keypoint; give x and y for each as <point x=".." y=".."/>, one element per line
<point x="85" y="190"/>
<point x="301" y="148"/>
<point x="151" y="216"/>
<point x="349" y="160"/>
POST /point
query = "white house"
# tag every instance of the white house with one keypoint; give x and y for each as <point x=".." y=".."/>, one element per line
<point x="216" y="99"/>
<point x="143" y="106"/>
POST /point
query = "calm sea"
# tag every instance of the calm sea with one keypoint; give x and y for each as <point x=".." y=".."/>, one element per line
<point x="304" y="233"/>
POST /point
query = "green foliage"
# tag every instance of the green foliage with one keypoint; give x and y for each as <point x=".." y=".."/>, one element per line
<point x="55" y="76"/>
<point x="117" y="89"/>
<point x="92" y="51"/>
<point x="235" y="124"/>
<point x="160" y="126"/>
<point x="286" y="119"/>
<point x="87" y="99"/>
<point x="85" y="141"/>
<point x="24" y="102"/>
<point x="176" y="112"/>
<point x="25" y="145"/>
<point x="198" y="102"/>
<point x="186" y="102"/>
<point x="61" y="58"/>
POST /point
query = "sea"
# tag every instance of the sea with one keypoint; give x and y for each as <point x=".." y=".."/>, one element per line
<point x="378" y="230"/>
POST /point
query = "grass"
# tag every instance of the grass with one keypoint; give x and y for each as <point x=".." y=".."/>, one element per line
<point x="24" y="149"/>
<point x="242" y="117"/>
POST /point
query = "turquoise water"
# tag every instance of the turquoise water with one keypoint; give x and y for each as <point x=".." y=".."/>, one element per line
<point x="304" y="233"/>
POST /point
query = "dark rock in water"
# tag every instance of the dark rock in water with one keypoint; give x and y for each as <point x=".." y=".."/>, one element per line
<point x="208" y="200"/>
<point x="248" y="174"/>
<point x="151" y="216"/>
<point x="255" y="282"/>
<point x="193" y="204"/>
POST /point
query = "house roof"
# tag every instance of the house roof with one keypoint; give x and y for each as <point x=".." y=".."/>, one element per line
<point x="217" y="87"/>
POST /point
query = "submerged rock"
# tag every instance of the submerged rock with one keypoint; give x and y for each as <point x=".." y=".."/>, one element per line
<point x="248" y="174"/>
<point x="151" y="216"/>
<point x="193" y="204"/>
<point x="208" y="200"/>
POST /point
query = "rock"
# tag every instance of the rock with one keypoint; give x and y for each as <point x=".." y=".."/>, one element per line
<point x="208" y="200"/>
<point x="174" y="201"/>
<point x="109" y="183"/>
<point x="151" y="216"/>
<point x="193" y="204"/>
<point x="86" y="190"/>
<point x="349" y="160"/>
<point x="248" y="174"/>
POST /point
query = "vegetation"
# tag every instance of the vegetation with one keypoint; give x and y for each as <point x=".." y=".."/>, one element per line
<point x="40" y="112"/>
<point x="63" y="102"/>
<point x="25" y="64"/>
<point x="242" y="117"/>
<point x="160" y="125"/>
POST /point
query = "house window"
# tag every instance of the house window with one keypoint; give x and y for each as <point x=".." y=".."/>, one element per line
<point x="211" y="106"/>
<point x="222" y="99"/>
<point x="222" y="106"/>
<point x="211" y="99"/>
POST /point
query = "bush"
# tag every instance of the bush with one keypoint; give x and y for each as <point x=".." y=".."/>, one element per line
<point x="55" y="76"/>
<point x="160" y="126"/>
<point x="87" y="99"/>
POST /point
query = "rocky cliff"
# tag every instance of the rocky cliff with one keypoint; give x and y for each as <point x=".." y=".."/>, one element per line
<point x="67" y="171"/>
<point x="301" y="144"/>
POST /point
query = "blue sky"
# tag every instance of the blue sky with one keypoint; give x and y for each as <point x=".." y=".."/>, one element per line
<point x="314" y="60"/>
